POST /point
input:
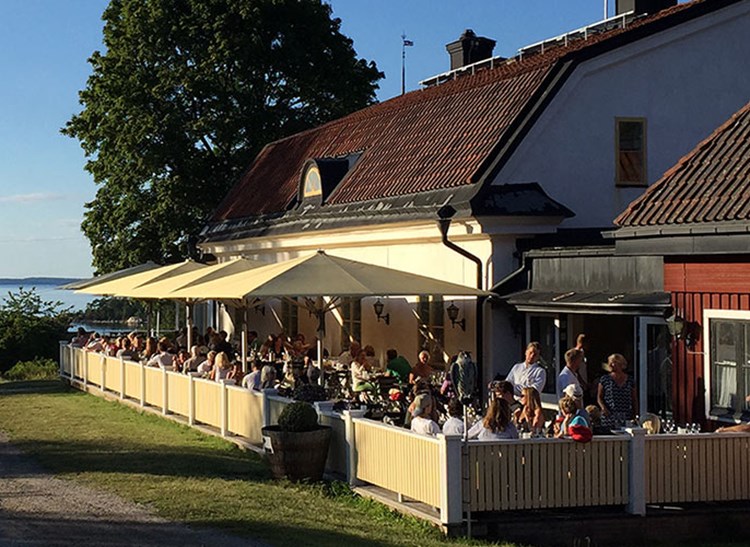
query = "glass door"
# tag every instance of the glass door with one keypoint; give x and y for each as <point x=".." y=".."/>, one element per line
<point x="545" y="329"/>
<point x="655" y="367"/>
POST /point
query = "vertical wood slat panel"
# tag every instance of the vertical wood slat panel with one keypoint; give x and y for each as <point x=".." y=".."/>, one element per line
<point x="154" y="386"/>
<point x="491" y="476"/>
<point x="497" y="491"/>
<point x="112" y="379"/>
<point x="701" y="475"/>
<point x="177" y="388"/>
<point x="698" y="468"/>
<point x="528" y="473"/>
<point x="504" y="478"/>
<point x="382" y="450"/>
<point x="596" y="457"/>
<point x="94" y="364"/>
<point x="132" y="380"/>
<point x="564" y="483"/>
<point x="208" y="402"/>
<point x="723" y="458"/>
<point x="536" y="475"/>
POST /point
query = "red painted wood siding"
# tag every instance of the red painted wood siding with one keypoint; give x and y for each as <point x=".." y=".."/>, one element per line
<point x="696" y="286"/>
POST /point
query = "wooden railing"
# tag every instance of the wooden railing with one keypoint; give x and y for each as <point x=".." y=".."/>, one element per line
<point x="544" y="473"/>
<point x="178" y="390"/>
<point x="704" y="467"/>
<point x="631" y="469"/>
<point x="245" y="413"/>
<point x="398" y="460"/>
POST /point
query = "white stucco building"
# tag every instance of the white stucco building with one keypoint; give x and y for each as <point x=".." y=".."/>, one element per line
<point x="554" y="141"/>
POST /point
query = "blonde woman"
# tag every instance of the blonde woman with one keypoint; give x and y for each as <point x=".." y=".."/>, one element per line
<point x="530" y="418"/>
<point x="222" y="366"/>
<point x="496" y="425"/>
<point x="616" y="393"/>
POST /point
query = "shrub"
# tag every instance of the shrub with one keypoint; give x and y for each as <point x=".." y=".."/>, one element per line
<point x="38" y="369"/>
<point x="30" y="328"/>
<point x="298" y="416"/>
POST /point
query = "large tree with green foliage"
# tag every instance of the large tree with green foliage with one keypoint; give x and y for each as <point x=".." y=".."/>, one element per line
<point x="183" y="98"/>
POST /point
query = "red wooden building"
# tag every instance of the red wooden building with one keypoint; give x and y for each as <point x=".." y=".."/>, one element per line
<point x="697" y="217"/>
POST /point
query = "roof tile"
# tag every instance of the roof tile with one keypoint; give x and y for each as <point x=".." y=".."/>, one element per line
<point x="435" y="138"/>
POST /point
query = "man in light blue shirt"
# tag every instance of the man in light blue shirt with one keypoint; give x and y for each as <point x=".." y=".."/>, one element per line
<point x="528" y="373"/>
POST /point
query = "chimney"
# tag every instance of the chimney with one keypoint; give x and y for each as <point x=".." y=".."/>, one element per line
<point x="643" y="7"/>
<point x="469" y="49"/>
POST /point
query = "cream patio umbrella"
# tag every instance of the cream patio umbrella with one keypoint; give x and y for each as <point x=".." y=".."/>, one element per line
<point x="127" y="285"/>
<point x="80" y="284"/>
<point x="164" y="289"/>
<point x="314" y="276"/>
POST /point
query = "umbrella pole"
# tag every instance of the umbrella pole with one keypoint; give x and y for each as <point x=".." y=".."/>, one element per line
<point x="189" y="324"/>
<point x="149" y="323"/>
<point x="321" y="335"/>
<point x="244" y="339"/>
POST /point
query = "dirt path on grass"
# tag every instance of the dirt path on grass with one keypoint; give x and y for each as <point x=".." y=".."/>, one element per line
<point x="38" y="509"/>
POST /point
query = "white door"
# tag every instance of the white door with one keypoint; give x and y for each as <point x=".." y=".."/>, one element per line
<point x="654" y="367"/>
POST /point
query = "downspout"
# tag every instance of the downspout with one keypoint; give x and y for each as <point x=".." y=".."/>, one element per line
<point x="445" y="214"/>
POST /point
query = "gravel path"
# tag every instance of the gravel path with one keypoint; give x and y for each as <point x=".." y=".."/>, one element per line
<point x="38" y="509"/>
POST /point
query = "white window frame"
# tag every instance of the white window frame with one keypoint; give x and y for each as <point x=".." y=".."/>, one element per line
<point x="708" y="314"/>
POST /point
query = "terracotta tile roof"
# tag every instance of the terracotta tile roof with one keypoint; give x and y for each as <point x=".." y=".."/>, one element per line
<point x="435" y="138"/>
<point x="710" y="184"/>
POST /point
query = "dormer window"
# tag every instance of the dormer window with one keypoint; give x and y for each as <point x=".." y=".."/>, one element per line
<point x="320" y="177"/>
<point x="311" y="182"/>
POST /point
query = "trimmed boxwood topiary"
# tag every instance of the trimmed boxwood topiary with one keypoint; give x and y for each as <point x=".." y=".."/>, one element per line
<point x="297" y="448"/>
<point x="297" y="417"/>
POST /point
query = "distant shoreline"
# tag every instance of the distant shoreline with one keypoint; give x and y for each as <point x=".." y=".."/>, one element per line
<point x="27" y="281"/>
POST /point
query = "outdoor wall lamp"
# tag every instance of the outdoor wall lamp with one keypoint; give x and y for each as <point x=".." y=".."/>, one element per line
<point x="452" y="311"/>
<point x="378" y="307"/>
<point x="676" y="325"/>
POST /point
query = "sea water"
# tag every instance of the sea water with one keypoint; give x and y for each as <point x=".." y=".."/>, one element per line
<point x="50" y="293"/>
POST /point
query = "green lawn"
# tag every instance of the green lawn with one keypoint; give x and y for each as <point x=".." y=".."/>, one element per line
<point x="190" y="477"/>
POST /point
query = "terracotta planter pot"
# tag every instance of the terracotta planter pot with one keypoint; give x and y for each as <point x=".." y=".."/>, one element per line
<point x="297" y="455"/>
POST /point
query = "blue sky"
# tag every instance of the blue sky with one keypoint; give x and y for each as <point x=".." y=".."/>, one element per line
<point x="44" y="45"/>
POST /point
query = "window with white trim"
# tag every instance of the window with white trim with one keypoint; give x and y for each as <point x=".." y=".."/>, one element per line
<point x="351" y="320"/>
<point x="431" y="326"/>
<point x="290" y="317"/>
<point x="630" y="152"/>
<point x="729" y="363"/>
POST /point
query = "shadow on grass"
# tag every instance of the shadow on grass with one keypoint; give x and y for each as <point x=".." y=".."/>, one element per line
<point x="296" y="536"/>
<point x="33" y="386"/>
<point x="30" y="528"/>
<point x="161" y="460"/>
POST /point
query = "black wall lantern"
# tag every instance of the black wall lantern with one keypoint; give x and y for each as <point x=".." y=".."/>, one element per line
<point x="378" y="307"/>
<point x="676" y="325"/>
<point x="453" y="316"/>
<point x="682" y="329"/>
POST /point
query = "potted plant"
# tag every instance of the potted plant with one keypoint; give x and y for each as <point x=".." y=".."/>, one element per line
<point x="297" y="448"/>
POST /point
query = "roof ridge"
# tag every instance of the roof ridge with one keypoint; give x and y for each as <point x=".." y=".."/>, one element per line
<point x="512" y="67"/>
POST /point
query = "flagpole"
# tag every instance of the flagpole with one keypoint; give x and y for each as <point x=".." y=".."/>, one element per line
<point x="404" y="44"/>
<point x="403" y="63"/>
